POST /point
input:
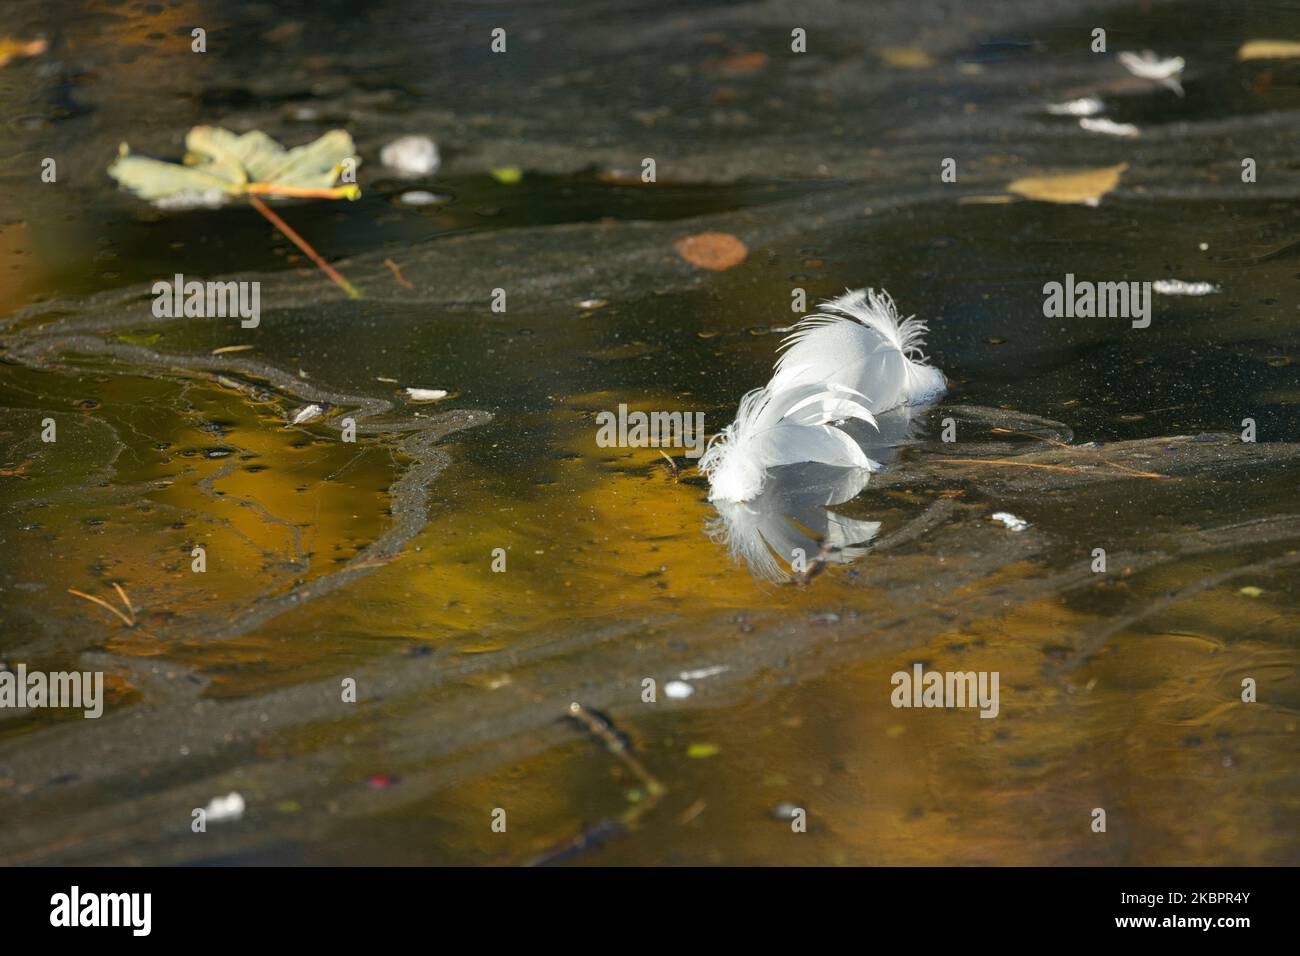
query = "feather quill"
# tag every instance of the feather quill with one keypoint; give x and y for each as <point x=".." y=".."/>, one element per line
<point x="850" y="362"/>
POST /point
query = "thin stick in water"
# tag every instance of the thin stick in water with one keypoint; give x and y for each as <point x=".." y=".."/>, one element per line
<point x="302" y="244"/>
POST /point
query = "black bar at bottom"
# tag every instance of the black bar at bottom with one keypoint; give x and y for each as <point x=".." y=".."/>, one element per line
<point x="237" y="905"/>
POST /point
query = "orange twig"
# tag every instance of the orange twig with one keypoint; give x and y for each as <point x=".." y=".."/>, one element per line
<point x="350" y="191"/>
<point x="1011" y="431"/>
<point x="302" y="244"/>
<point x="1105" y="461"/>
<point x="1073" y="469"/>
<point x="397" y="274"/>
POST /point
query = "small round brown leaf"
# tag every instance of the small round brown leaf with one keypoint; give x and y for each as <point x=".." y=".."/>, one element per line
<point x="712" y="250"/>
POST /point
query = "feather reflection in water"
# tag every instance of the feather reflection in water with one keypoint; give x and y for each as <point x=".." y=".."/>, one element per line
<point x="792" y="511"/>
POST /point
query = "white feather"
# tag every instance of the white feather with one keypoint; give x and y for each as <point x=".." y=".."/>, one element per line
<point x="792" y="512"/>
<point x="782" y="428"/>
<point x="850" y="362"/>
<point x="859" y="342"/>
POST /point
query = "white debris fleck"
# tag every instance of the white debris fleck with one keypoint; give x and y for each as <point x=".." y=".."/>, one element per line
<point x="420" y="197"/>
<point x="1179" y="287"/>
<point x="1011" y="521"/>
<point x="678" y="689"/>
<point x="1148" y="66"/>
<point x="307" y="414"/>
<point x="1203" y="246"/>
<point x="411" y="156"/>
<point x="703" y="672"/>
<point x="1087" y="106"/>
<point x="229" y="807"/>
<point x="426" y="394"/>
<point x="1109" y="127"/>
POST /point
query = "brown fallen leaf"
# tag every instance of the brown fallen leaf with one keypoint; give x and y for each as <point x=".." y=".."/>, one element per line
<point x="712" y="250"/>
<point x="1086" y="187"/>
<point x="1268" y="50"/>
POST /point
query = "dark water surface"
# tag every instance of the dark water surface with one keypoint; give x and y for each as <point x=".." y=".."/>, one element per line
<point x="373" y="560"/>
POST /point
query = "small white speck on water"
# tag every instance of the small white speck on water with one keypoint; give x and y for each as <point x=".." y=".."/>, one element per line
<point x="419" y="197"/>
<point x="678" y="689"/>
<point x="1087" y="106"/>
<point x="1012" y="522"/>
<point x="427" y="394"/>
<point x="229" y="807"/>
<point x="1179" y="287"/>
<point x="1109" y="127"/>
<point x="703" y="672"/>
<point x="307" y="414"/>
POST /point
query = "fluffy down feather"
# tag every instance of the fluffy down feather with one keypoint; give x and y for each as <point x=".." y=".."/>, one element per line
<point x="853" y="360"/>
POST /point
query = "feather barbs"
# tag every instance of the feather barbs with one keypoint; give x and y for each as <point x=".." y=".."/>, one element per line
<point x="851" y="361"/>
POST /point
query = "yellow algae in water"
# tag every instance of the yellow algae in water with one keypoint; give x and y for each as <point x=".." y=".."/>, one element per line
<point x="1086" y="187"/>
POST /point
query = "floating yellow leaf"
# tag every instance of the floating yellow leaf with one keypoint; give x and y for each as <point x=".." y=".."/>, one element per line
<point x="10" y="48"/>
<point x="702" y="750"/>
<point x="1086" y="187"/>
<point x="1268" y="50"/>
<point x="220" y="164"/>
<point x="1251" y="591"/>
<point x="508" y="175"/>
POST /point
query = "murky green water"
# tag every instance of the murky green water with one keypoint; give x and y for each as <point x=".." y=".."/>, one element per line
<point x="373" y="560"/>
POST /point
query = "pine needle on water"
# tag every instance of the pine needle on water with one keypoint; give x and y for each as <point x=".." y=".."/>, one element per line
<point x="128" y="618"/>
